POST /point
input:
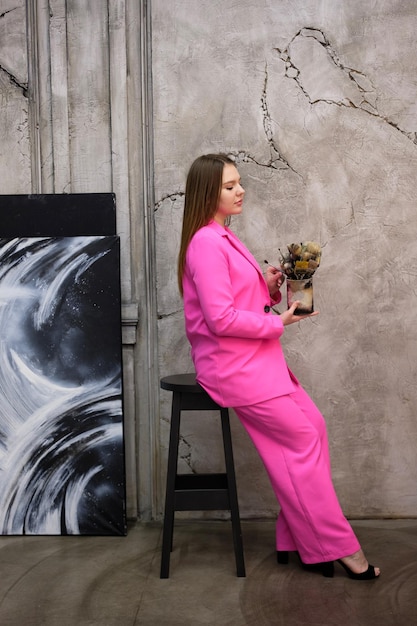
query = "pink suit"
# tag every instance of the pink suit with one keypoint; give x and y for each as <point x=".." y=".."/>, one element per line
<point x="239" y="361"/>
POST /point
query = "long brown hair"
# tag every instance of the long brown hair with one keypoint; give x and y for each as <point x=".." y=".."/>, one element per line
<point x="202" y="193"/>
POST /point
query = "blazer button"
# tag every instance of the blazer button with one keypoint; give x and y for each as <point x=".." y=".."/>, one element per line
<point x="267" y="308"/>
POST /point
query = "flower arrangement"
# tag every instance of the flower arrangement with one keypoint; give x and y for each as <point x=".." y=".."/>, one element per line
<point x="301" y="260"/>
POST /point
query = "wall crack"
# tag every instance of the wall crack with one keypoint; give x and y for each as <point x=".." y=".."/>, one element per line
<point x="13" y="80"/>
<point x="2" y="15"/>
<point x="163" y="316"/>
<point x="362" y="93"/>
<point x="169" y="196"/>
<point x="185" y="456"/>
<point x="279" y="160"/>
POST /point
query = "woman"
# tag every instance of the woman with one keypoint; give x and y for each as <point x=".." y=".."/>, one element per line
<point x="236" y="351"/>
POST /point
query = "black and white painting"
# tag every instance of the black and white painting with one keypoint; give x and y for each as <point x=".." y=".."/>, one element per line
<point x="61" y="416"/>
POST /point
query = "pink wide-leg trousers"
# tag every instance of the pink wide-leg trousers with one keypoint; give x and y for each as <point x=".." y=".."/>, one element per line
<point x="290" y="435"/>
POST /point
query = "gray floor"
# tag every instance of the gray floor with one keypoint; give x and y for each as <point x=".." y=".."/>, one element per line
<point x="86" y="581"/>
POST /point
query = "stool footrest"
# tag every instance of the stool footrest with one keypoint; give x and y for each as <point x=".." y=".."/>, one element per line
<point x="201" y="492"/>
<point x="201" y="481"/>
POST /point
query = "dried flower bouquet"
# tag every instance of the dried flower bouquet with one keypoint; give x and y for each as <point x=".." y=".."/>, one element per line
<point x="301" y="260"/>
<point x="299" y="265"/>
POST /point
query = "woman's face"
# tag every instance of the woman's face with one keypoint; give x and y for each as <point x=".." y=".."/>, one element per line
<point x="231" y="195"/>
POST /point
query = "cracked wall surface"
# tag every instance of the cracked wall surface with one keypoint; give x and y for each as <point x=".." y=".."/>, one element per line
<point x="14" y="132"/>
<point x="71" y="122"/>
<point x="316" y="101"/>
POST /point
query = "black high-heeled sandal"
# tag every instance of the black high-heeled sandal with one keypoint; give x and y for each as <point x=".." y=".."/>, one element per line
<point x="369" y="574"/>
<point x="283" y="557"/>
<point x="326" y="568"/>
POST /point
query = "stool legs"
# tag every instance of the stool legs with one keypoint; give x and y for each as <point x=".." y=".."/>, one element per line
<point x="174" y="439"/>
<point x="226" y="488"/>
<point x="231" y="483"/>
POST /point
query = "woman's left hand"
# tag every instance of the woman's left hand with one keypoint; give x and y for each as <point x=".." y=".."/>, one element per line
<point x="274" y="279"/>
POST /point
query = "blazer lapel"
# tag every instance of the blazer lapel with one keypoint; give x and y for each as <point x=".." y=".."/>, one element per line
<point x="237" y="244"/>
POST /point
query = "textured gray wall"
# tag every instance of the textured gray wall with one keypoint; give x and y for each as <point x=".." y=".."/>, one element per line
<point x="67" y="101"/>
<point x="15" y="169"/>
<point x="317" y="101"/>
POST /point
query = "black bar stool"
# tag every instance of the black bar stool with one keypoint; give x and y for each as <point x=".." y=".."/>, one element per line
<point x="197" y="492"/>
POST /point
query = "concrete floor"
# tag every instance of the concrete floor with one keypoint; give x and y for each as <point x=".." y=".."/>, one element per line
<point x="114" y="581"/>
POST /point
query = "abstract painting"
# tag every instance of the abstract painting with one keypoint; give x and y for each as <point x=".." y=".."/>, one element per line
<point x="61" y="414"/>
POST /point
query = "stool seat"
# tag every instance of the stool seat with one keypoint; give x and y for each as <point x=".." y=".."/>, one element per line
<point x="197" y="492"/>
<point x="182" y="382"/>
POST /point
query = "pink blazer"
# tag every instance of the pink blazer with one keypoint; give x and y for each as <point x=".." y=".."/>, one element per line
<point x="233" y="334"/>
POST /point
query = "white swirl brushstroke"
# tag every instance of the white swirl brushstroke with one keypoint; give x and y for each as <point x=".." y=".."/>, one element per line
<point x="61" y="437"/>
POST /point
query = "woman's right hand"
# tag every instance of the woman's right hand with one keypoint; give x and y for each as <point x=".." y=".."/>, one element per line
<point x="288" y="316"/>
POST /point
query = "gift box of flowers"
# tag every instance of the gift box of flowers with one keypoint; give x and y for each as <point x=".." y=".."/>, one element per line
<point x="299" y="264"/>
